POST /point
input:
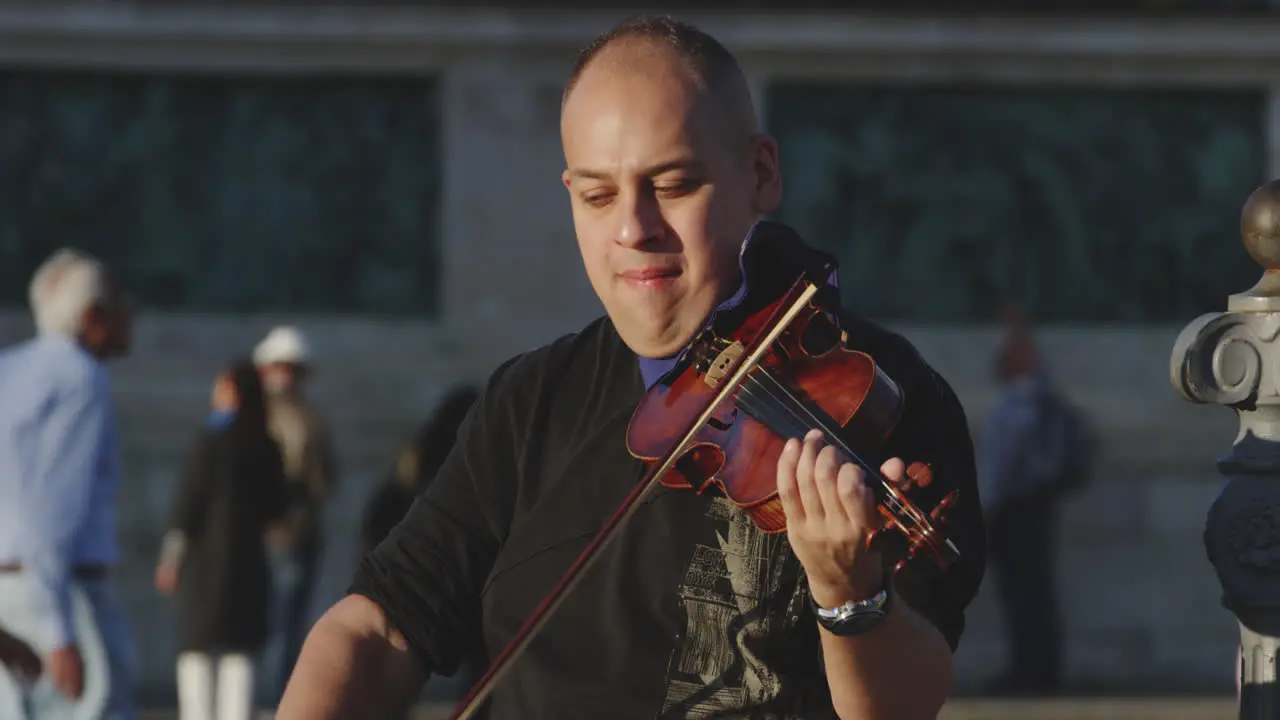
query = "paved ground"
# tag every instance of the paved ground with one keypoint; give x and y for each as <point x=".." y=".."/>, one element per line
<point x="1068" y="709"/>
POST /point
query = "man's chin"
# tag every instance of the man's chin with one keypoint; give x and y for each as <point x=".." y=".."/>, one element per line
<point x="650" y="342"/>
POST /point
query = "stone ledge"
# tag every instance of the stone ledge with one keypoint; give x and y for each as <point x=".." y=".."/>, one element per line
<point x="385" y="38"/>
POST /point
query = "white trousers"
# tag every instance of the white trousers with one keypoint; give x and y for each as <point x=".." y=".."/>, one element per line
<point x="215" y="688"/>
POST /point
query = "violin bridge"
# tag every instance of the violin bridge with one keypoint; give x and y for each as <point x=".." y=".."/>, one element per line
<point x="724" y="361"/>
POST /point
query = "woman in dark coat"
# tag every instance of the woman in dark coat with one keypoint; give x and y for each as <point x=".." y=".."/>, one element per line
<point x="213" y="555"/>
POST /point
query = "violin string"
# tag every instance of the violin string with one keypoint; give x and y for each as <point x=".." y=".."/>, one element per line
<point x="784" y="401"/>
<point x="890" y="499"/>
<point x="787" y="403"/>
<point x="793" y="405"/>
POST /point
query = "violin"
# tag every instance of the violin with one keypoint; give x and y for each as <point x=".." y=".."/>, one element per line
<point x="789" y="372"/>
<point x="722" y="422"/>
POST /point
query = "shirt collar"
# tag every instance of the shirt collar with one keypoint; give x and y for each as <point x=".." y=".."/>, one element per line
<point x="653" y="369"/>
<point x="64" y="343"/>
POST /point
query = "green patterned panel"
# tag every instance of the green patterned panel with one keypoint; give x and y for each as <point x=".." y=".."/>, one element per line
<point x="1090" y="205"/>
<point x="240" y="193"/>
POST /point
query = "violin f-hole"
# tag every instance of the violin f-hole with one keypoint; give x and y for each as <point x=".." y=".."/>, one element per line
<point x="695" y="469"/>
<point x="721" y="425"/>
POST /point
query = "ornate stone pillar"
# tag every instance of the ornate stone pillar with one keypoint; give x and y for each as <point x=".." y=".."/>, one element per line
<point x="1233" y="359"/>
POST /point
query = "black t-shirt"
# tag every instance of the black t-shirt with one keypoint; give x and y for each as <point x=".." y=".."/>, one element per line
<point x="691" y="611"/>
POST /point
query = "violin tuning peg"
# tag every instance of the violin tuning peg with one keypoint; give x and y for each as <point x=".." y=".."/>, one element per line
<point x="939" y="513"/>
<point x="918" y="474"/>
<point x="874" y="538"/>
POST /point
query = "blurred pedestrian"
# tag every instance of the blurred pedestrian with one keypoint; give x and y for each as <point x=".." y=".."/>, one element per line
<point x="416" y="466"/>
<point x="59" y="475"/>
<point x="1035" y="449"/>
<point x="214" y="555"/>
<point x="284" y="360"/>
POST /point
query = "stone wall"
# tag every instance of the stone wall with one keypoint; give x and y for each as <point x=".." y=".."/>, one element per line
<point x="1140" y="596"/>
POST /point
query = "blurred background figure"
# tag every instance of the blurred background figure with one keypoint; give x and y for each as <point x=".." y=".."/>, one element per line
<point x="416" y="466"/>
<point x="391" y="500"/>
<point x="1034" y="450"/>
<point x="284" y="360"/>
<point x="59" y="472"/>
<point x="214" y="557"/>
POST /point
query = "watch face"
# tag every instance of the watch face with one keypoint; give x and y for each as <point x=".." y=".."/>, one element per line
<point x="855" y="624"/>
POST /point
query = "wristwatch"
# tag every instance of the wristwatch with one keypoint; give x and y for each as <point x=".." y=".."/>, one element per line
<point x="858" y="616"/>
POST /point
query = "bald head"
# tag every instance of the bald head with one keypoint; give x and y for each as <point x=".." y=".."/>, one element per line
<point x="678" y="52"/>
<point x="666" y="174"/>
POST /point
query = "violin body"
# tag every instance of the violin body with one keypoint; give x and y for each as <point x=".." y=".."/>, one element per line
<point x="808" y="378"/>
<point x="738" y="451"/>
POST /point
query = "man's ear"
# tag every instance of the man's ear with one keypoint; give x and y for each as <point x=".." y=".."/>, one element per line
<point x="767" y="173"/>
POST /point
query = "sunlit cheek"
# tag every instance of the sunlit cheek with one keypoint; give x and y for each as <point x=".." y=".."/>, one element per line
<point x="597" y="259"/>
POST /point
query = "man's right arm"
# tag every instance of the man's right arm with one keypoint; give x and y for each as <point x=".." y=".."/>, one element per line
<point x="414" y="606"/>
<point x="55" y="499"/>
<point x="56" y="494"/>
<point x="363" y="664"/>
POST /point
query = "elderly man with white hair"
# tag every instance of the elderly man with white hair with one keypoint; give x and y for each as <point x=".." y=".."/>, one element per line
<point x="59" y="473"/>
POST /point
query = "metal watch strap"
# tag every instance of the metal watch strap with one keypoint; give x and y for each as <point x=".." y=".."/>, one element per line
<point x="856" y="616"/>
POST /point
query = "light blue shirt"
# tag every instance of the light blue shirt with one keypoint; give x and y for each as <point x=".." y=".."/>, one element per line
<point x="59" y="469"/>
<point x="1004" y="438"/>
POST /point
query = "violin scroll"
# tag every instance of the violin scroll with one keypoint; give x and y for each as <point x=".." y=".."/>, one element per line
<point x="908" y="536"/>
<point x="917" y="537"/>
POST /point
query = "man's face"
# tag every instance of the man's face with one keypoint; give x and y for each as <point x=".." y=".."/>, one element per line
<point x="120" y="321"/>
<point x="661" y="202"/>
<point x="108" y="326"/>
<point x="282" y="377"/>
<point x="223" y="397"/>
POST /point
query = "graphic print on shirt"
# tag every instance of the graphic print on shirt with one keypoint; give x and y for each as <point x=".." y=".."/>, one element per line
<point x="729" y="594"/>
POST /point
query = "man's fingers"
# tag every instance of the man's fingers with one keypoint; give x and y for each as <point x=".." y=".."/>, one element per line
<point x="788" y="493"/>
<point x="804" y="475"/>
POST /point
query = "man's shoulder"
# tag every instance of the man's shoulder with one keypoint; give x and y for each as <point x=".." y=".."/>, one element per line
<point x="889" y="348"/>
<point x="52" y="364"/>
<point x="903" y="362"/>
<point x="539" y="365"/>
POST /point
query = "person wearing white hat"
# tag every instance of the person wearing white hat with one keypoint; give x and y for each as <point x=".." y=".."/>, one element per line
<point x="284" y="358"/>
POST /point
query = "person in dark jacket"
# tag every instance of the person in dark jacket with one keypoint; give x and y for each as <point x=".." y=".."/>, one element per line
<point x="214" y="556"/>
<point x="416" y="466"/>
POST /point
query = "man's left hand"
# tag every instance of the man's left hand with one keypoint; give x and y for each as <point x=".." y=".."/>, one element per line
<point x="831" y="513"/>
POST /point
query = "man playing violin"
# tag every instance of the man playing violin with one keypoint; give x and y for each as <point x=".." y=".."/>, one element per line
<point x="693" y="611"/>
